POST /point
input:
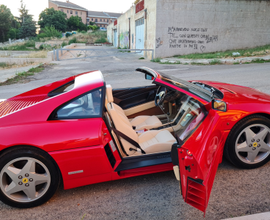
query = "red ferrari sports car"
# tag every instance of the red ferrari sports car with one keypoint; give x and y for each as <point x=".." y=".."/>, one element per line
<point x="80" y="131"/>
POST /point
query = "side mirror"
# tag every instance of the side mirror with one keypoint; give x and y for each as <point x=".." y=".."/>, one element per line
<point x="148" y="77"/>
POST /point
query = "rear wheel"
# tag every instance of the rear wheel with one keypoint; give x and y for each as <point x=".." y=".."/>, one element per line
<point x="28" y="177"/>
<point x="248" y="144"/>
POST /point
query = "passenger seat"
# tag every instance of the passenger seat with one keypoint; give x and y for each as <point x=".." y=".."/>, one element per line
<point x="139" y="122"/>
<point x="150" y="141"/>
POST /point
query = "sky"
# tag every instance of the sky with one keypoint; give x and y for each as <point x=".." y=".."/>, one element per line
<point x="35" y="7"/>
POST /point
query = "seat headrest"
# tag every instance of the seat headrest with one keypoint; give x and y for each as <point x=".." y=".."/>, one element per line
<point x="109" y="94"/>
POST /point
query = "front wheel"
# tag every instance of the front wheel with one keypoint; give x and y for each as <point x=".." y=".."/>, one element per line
<point x="248" y="144"/>
<point x="28" y="177"/>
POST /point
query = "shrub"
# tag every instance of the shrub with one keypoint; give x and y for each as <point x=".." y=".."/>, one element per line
<point x="41" y="35"/>
<point x="101" y="40"/>
<point x="49" y="32"/>
<point x="64" y="44"/>
<point x="72" y="41"/>
<point x="68" y="34"/>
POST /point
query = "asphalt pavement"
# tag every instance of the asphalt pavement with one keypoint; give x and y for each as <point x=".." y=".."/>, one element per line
<point x="235" y="193"/>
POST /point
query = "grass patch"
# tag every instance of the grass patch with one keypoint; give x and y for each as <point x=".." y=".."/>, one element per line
<point x="262" y="50"/>
<point x="156" y="60"/>
<point x="36" y="69"/>
<point x="5" y="65"/>
<point x="25" y="46"/>
<point x="38" y="54"/>
<point x="23" y="75"/>
<point x="168" y="62"/>
<point x="101" y="40"/>
<point x="72" y="41"/>
<point x="195" y="63"/>
<point x="215" y="62"/>
<point x="141" y="58"/>
<point x="258" y="61"/>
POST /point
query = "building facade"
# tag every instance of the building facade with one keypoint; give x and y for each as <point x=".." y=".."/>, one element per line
<point x="70" y="9"/>
<point x="183" y="27"/>
<point x="102" y="19"/>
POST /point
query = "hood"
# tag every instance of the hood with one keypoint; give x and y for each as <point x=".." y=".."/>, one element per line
<point x="239" y="94"/>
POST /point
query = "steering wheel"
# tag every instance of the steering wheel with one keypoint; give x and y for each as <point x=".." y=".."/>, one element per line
<point x="160" y="95"/>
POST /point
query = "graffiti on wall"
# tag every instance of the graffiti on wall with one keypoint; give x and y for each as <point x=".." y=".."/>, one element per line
<point x="124" y="40"/>
<point x="159" y="42"/>
<point x="189" y="38"/>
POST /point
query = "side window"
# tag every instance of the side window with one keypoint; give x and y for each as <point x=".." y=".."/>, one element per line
<point x="87" y="106"/>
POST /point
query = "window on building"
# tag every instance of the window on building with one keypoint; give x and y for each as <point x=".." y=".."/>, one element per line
<point x="71" y="12"/>
<point x="96" y="20"/>
<point x="76" y="13"/>
<point x="67" y="11"/>
<point x="81" y="13"/>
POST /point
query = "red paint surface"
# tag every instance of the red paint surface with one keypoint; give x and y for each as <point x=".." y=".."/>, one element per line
<point x="140" y="6"/>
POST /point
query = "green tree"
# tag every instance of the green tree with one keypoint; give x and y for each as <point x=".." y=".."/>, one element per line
<point x="23" y="13"/>
<point x="5" y="22"/>
<point x="49" y="32"/>
<point x="28" y="28"/>
<point x="50" y="17"/>
<point x="13" y="33"/>
<point x="75" y="23"/>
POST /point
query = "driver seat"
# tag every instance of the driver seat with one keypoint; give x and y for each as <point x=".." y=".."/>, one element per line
<point x="139" y="122"/>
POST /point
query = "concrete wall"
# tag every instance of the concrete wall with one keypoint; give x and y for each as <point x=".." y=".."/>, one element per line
<point x="197" y="26"/>
<point x="110" y="33"/>
<point x="126" y="28"/>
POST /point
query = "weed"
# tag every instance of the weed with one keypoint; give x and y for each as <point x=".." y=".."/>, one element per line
<point x="196" y="63"/>
<point x="72" y="41"/>
<point x="36" y="69"/>
<point x="156" y="60"/>
<point x="64" y="44"/>
<point x="262" y="50"/>
<point x="23" y="75"/>
<point x="26" y="46"/>
<point x="101" y="40"/>
<point x="141" y="58"/>
<point x="235" y="63"/>
<point x="168" y="62"/>
<point x="215" y="62"/>
<point x="3" y="65"/>
<point x="260" y="61"/>
<point x="38" y="54"/>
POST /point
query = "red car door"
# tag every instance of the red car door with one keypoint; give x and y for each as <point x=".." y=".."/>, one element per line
<point x="196" y="161"/>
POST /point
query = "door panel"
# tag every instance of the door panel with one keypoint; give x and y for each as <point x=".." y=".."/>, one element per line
<point x="196" y="161"/>
<point x="140" y="34"/>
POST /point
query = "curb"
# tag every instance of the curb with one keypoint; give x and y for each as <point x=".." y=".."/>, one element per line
<point x="260" y="216"/>
<point x="208" y="61"/>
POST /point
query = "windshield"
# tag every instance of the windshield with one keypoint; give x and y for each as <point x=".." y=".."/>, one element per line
<point x="188" y="86"/>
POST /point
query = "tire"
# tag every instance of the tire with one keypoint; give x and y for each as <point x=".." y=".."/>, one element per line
<point x="29" y="177"/>
<point x="248" y="144"/>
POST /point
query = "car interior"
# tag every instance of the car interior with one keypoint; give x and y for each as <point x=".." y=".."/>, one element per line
<point x="151" y="126"/>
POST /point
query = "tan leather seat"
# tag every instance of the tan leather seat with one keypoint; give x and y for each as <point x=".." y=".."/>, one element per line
<point x="150" y="141"/>
<point x="140" y="122"/>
